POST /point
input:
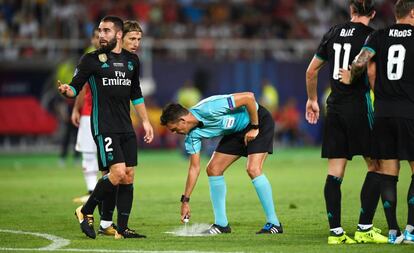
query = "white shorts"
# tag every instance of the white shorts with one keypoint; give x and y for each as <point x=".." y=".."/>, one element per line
<point x="84" y="141"/>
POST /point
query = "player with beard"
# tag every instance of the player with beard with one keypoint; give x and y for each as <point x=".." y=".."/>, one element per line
<point x="113" y="74"/>
<point x="132" y="34"/>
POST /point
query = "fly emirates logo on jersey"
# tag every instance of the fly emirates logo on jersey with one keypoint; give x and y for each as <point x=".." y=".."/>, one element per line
<point x="119" y="80"/>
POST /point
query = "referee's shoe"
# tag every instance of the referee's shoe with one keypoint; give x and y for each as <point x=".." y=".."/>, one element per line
<point x="86" y="223"/>
<point x="217" y="229"/>
<point x="270" y="228"/>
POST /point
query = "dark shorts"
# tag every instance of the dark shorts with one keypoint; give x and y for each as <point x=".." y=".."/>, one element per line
<point x="116" y="148"/>
<point x="346" y="135"/>
<point x="393" y="138"/>
<point x="233" y="144"/>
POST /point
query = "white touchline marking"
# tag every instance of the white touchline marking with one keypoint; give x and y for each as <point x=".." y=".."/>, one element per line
<point x="58" y="243"/>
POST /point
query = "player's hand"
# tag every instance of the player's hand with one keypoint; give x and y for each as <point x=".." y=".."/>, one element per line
<point x="149" y="132"/>
<point x="312" y="111"/>
<point x="65" y="90"/>
<point x="345" y="76"/>
<point x="250" y="135"/>
<point x="75" y="117"/>
<point x="185" y="211"/>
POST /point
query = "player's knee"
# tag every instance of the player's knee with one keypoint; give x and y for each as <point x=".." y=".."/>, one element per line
<point x="117" y="174"/>
<point x="373" y="167"/>
<point x="129" y="176"/>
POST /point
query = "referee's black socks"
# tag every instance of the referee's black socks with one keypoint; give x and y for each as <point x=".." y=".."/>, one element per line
<point x="124" y="205"/>
<point x="389" y="200"/>
<point x="370" y="194"/>
<point x="102" y="189"/>
<point x="332" y="193"/>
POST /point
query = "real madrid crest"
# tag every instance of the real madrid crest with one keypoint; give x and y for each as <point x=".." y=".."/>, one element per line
<point x="103" y="57"/>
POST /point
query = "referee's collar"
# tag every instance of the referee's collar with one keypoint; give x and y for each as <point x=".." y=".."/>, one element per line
<point x="200" y="124"/>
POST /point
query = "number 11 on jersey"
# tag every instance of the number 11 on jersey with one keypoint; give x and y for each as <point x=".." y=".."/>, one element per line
<point x="338" y="48"/>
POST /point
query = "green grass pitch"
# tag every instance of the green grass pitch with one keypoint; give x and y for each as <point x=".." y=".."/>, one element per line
<point x="36" y="196"/>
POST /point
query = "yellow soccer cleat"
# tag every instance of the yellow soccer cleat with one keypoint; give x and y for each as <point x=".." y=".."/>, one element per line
<point x="86" y="222"/>
<point x="128" y="233"/>
<point x="341" y="239"/>
<point x="370" y="236"/>
<point x="111" y="230"/>
<point x="81" y="199"/>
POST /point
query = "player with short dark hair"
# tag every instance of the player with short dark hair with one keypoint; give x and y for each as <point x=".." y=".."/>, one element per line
<point x="113" y="74"/>
<point x="392" y="50"/>
<point x="348" y="121"/>
<point x="247" y="129"/>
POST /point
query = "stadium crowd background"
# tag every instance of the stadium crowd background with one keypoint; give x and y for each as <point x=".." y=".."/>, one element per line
<point x="171" y="19"/>
<point x="214" y="46"/>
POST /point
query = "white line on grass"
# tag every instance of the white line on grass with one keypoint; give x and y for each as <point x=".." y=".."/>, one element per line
<point x="58" y="243"/>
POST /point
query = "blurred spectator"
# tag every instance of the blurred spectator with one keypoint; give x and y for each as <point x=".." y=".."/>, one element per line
<point x="287" y="123"/>
<point x="188" y="95"/>
<point x="204" y="19"/>
<point x="64" y="73"/>
<point x="269" y="97"/>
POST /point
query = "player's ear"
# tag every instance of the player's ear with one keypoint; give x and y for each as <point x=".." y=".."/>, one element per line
<point x="373" y="14"/>
<point x="119" y="35"/>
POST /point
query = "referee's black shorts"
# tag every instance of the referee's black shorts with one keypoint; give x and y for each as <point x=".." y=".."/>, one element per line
<point x="233" y="144"/>
<point x="346" y="135"/>
<point x="116" y="148"/>
<point x="393" y="138"/>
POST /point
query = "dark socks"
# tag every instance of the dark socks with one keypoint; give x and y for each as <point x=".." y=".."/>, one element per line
<point x="333" y="200"/>
<point x="108" y="206"/>
<point x="102" y="188"/>
<point x="389" y="200"/>
<point x="410" y="201"/>
<point x="124" y="205"/>
<point x="370" y="194"/>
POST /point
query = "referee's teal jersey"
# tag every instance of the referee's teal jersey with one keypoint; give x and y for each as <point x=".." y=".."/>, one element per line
<point x="219" y="117"/>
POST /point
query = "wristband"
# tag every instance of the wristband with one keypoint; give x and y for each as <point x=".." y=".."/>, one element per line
<point x="184" y="199"/>
<point x="254" y="126"/>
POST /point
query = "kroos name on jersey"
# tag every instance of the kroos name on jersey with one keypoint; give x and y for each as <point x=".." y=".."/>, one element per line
<point x="398" y="33"/>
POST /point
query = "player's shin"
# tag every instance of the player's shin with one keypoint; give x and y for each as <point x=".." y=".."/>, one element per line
<point x="332" y="192"/>
<point x="124" y="205"/>
<point x="370" y="194"/>
<point x="102" y="188"/>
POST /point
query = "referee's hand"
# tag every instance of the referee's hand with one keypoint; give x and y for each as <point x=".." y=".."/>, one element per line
<point x="312" y="111"/>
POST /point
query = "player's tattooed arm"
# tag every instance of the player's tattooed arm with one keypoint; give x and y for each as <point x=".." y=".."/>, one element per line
<point x="360" y="63"/>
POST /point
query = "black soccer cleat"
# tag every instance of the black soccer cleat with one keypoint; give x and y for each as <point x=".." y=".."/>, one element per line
<point x="128" y="233"/>
<point x="86" y="223"/>
<point x="217" y="229"/>
<point x="270" y="228"/>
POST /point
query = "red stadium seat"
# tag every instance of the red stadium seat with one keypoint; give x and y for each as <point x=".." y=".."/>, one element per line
<point x="25" y="116"/>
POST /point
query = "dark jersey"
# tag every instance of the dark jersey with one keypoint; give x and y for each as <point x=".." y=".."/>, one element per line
<point x="338" y="47"/>
<point x="394" y="56"/>
<point x="114" y="81"/>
